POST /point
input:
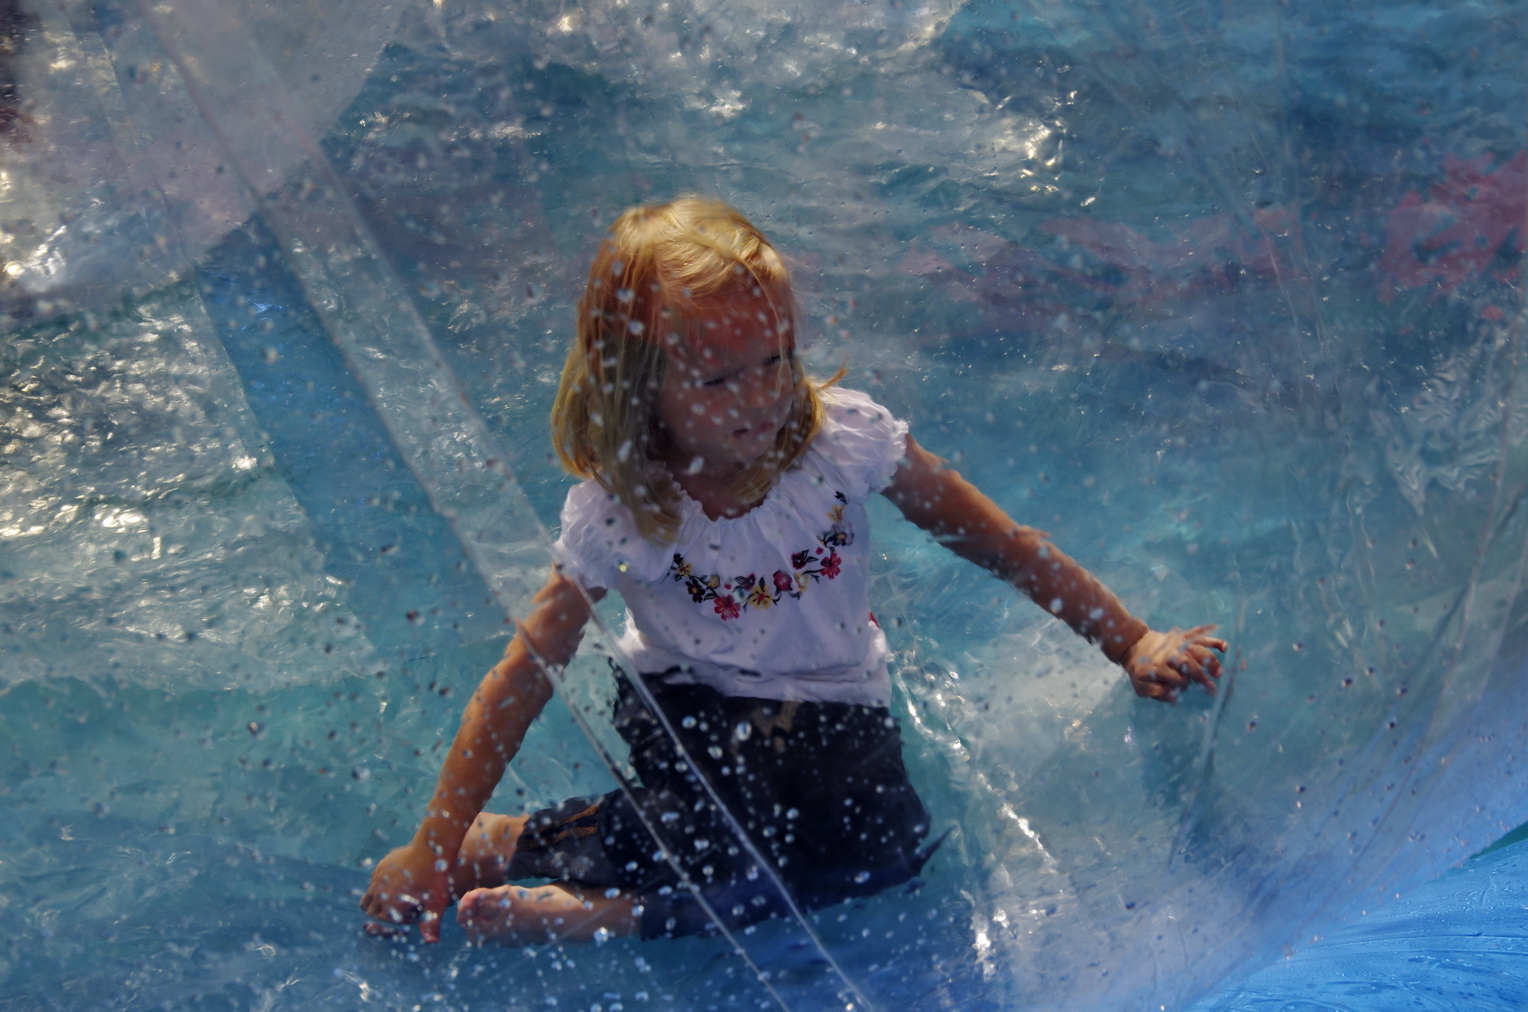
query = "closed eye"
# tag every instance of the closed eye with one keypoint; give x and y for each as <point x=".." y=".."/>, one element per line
<point x="771" y="363"/>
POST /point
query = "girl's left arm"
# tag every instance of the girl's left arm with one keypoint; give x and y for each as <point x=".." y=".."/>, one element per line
<point x="936" y="498"/>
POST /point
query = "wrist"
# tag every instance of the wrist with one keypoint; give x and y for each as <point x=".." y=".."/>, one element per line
<point x="1118" y="643"/>
<point x="438" y="834"/>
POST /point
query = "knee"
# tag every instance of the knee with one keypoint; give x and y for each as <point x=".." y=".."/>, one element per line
<point x="490" y="843"/>
<point x="493" y="832"/>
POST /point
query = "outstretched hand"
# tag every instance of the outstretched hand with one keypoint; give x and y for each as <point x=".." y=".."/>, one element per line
<point x="1163" y="664"/>
<point x="412" y="884"/>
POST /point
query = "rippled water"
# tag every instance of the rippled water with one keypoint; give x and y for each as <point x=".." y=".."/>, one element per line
<point x="1226" y="298"/>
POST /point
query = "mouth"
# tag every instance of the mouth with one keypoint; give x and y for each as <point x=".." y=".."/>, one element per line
<point x="765" y="428"/>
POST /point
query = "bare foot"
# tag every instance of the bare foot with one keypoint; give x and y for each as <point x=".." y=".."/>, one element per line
<point x="521" y="915"/>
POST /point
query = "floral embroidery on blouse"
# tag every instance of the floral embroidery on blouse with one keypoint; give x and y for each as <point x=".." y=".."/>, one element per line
<point x="741" y="593"/>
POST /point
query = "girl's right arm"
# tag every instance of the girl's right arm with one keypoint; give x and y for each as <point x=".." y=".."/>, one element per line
<point x="1160" y="664"/>
<point x="412" y="883"/>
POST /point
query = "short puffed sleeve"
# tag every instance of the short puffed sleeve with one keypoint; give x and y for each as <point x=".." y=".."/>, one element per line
<point x="861" y="441"/>
<point x="599" y="539"/>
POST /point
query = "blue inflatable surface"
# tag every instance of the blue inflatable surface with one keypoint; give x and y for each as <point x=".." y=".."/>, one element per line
<point x="1227" y="298"/>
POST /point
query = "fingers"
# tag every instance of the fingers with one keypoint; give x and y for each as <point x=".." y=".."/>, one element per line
<point x="1152" y="685"/>
<point x="411" y="885"/>
<point x="1198" y="667"/>
<point x="1156" y="690"/>
<point x="392" y="921"/>
<point x="1198" y="664"/>
<point x="1196" y="656"/>
<point x="386" y="908"/>
<point x="400" y="911"/>
<point x="392" y="914"/>
<point x="435" y="903"/>
<point x="429" y="926"/>
<point x="1178" y="659"/>
<point x="1200" y="636"/>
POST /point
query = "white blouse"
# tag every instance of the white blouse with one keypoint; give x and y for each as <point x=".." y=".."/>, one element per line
<point x="773" y="604"/>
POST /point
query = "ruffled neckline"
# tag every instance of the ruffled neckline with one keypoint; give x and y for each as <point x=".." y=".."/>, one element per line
<point x="691" y="509"/>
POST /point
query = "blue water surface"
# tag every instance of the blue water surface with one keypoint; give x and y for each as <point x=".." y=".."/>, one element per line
<point x="1226" y="297"/>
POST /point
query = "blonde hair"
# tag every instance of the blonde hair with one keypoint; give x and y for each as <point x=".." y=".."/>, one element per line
<point x="661" y="262"/>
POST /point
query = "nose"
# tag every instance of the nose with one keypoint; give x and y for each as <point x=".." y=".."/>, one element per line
<point x="763" y="387"/>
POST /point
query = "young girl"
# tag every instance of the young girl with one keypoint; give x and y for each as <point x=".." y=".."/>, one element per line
<point x="724" y="500"/>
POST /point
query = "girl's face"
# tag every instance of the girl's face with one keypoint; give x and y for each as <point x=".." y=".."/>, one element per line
<point x="729" y="386"/>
